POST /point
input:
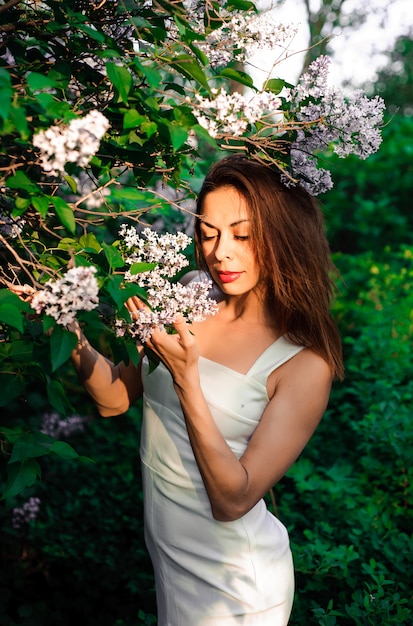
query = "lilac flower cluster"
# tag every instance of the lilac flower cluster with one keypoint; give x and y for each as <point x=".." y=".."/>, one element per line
<point x="292" y="131"/>
<point x="55" y="426"/>
<point x="349" y="126"/>
<point x="25" y="514"/>
<point x="150" y="247"/>
<point x="233" y="113"/>
<point x="76" y="143"/>
<point x="76" y="291"/>
<point x="241" y="36"/>
<point x="165" y="299"/>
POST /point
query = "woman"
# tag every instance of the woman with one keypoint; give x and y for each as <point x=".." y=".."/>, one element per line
<point x="233" y="402"/>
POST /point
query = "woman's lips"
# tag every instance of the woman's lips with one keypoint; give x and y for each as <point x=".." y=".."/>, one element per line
<point x="228" y="277"/>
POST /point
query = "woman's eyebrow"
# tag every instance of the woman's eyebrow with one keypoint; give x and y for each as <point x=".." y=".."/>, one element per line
<point x="231" y="225"/>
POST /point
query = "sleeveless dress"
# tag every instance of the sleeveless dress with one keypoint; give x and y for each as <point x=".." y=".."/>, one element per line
<point x="207" y="572"/>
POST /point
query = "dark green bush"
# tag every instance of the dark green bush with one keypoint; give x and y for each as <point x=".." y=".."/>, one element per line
<point x="348" y="501"/>
<point x="369" y="206"/>
<point x="83" y="559"/>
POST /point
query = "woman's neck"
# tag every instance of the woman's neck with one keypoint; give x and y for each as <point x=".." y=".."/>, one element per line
<point x="248" y="309"/>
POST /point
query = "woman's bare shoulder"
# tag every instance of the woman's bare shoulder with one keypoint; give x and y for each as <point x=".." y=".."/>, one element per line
<point x="307" y="370"/>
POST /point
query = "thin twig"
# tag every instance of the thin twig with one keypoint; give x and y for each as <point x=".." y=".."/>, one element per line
<point x="9" y="5"/>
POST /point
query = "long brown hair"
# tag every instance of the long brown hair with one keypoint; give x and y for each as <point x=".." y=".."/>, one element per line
<point x="291" y="250"/>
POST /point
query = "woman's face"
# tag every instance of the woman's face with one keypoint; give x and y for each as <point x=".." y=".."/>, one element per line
<point x="225" y="229"/>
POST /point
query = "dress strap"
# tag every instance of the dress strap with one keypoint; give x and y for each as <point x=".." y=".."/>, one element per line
<point x="274" y="356"/>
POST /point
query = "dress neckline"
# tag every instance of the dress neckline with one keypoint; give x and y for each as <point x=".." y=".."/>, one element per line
<point x="254" y="364"/>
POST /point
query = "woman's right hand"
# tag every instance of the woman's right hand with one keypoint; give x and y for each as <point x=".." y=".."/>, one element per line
<point x="25" y="292"/>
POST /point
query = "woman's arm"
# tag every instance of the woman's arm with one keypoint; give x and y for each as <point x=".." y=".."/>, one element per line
<point x="235" y="485"/>
<point x="113" y="388"/>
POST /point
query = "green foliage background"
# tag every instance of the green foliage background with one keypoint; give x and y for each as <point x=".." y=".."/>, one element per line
<point x="348" y="500"/>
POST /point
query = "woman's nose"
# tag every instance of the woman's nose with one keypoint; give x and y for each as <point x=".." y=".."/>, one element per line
<point x="223" y="249"/>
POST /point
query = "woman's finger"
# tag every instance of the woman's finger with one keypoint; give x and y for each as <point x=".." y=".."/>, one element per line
<point x="25" y="292"/>
<point x="182" y="328"/>
<point x="135" y="304"/>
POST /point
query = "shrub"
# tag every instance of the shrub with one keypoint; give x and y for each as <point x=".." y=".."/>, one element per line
<point x="348" y="501"/>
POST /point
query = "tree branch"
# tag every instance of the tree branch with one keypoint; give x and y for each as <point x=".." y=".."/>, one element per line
<point x="9" y="5"/>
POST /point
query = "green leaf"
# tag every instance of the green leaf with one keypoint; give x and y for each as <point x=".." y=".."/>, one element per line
<point x="241" y="5"/>
<point x="12" y="316"/>
<point x="65" y="213"/>
<point x="89" y="243"/>
<point x="6" y="94"/>
<point x="5" y="80"/>
<point x="20" y="476"/>
<point x="20" y="350"/>
<point x="200" y="55"/>
<point x="133" y="119"/>
<point x="8" y="297"/>
<point x="71" y="182"/>
<point x="149" y="128"/>
<point x="31" y="445"/>
<point x="12" y="434"/>
<point x="52" y="108"/>
<point x="178" y="134"/>
<point x="57" y="397"/>
<point x="120" y="292"/>
<point x="152" y="75"/>
<point x="121" y="79"/>
<point x="18" y="117"/>
<point x="21" y="181"/>
<point x="113" y="256"/>
<point x="133" y="354"/>
<point x="128" y="193"/>
<point x="276" y="85"/>
<point x="138" y="268"/>
<point x="38" y="82"/>
<point x="190" y="69"/>
<point x="11" y="387"/>
<point x="64" y="450"/>
<point x="48" y="323"/>
<point x="92" y="32"/>
<point x="187" y="34"/>
<point x="60" y="74"/>
<point x="11" y="308"/>
<point x="41" y="204"/>
<point x="153" y="358"/>
<point x="20" y="204"/>
<point x="62" y="344"/>
<point x="238" y="76"/>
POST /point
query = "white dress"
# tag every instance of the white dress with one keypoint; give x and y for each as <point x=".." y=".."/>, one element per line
<point x="211" y="573"/>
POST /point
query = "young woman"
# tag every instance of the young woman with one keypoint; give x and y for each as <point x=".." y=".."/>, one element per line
<point x="233" y="402"/>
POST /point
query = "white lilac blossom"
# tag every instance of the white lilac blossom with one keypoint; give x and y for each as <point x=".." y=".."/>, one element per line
<point x="349" y="126"/>
<point x="76" y="142"/>
<point x="313" y="83"/>
<point x="233" y="113"/>
<point x="292" y="131"/>
<point x="76" y="291"/>
<point x="165" y="299"/>
<point x="239" y="37"/>
<point x="25" y="514"/>
<point x="151" y="247"/>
